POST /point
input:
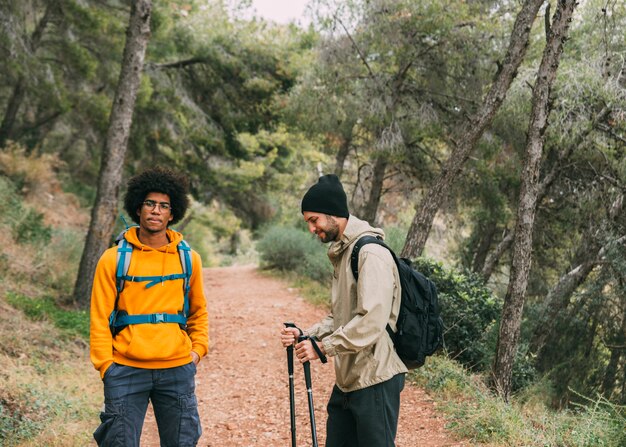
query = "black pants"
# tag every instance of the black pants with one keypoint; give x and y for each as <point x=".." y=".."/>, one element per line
<point x="366" y="417"/>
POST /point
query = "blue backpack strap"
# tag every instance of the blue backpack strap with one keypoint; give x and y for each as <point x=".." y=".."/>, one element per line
<point x="153" y="280"/>
<point x="184" y="252"/>
<point x="124" y="320"/>
<point x="124" y="252"/>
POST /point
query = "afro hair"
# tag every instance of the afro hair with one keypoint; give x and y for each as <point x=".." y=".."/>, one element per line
<point x="162" y="180"/>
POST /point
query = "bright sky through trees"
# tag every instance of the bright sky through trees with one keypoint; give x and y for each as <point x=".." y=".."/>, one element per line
<point x="282" y="11"/>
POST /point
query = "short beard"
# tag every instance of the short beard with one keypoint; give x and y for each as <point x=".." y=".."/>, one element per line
<point x="332" y="232"/>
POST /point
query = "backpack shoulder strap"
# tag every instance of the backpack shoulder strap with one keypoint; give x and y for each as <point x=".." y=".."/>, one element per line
<point x="124" y="252"/>
<point x="354" y="264"/>
<point x="354" y="257"/>
<point x="184" y="252"/>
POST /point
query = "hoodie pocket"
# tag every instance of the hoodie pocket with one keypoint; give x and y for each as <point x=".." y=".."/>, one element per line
<point x="161" y="341"/>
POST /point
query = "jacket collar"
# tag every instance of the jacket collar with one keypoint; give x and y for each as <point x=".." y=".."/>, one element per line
<point x="353" y="231"/>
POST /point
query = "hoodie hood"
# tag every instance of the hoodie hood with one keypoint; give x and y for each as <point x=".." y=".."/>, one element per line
<point x="174" y="237"/>
<point x="355" y="229"/>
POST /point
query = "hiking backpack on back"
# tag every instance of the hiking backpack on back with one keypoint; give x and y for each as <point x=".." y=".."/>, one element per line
<point x="419" y="326"/>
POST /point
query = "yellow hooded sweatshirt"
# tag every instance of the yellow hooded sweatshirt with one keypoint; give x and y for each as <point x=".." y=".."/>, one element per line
<point x="152" y="346"/>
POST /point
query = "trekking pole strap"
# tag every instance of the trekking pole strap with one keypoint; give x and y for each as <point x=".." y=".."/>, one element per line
<point x="317" y="349"/>
<point x="321" y="355"/>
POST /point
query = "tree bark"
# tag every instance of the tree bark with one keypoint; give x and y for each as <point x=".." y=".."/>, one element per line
<point x="10" y="114"/>
<point x="376" y="189"/>
<point x="610" y="375"/>
<point x="342" y="154"/>
<point x="471" y="131"/>
<point x="105" y="208"/>
<point x="480" y="255"/>
<point x="510" y="324"/>
<point x="623" y="392"/>
<point x="494" y="257"/>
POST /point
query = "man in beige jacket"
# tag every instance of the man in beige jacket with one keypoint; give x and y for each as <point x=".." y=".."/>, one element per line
<point x="364" y="406"/>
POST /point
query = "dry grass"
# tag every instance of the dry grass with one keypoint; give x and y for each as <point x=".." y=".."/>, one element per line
<point x="40" y="187"/>
<point x="50" y="395"/>
<point x="48" y="387"/>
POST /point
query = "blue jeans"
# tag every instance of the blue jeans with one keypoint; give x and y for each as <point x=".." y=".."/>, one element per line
<point x="366" y="417"/>
<point x="127" y="391"/>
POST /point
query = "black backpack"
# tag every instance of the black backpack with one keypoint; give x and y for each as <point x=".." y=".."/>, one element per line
<point x="420" y="328"/>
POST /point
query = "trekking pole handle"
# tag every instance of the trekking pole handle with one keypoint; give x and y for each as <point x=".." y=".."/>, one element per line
<point x="293" y="325"/>
<point x="290" y="324"/>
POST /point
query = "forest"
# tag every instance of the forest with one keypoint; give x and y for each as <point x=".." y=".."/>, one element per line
<point x="487" y="137"/>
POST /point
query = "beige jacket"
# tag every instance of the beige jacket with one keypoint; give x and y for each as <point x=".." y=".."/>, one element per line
<point x="354" y="333"/>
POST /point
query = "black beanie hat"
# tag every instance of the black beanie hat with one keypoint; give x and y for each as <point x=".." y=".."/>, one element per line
<point x="326" y="196"/>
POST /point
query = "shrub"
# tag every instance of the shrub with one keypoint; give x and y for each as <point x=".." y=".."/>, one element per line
<point x="291" y="249"/>
<point x="33" y="174"/>
<point x="395" y="238"/>
<point x="469" y="311"/>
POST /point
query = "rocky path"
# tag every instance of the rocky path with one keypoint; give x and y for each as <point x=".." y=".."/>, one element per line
<point x="242" y="386"/>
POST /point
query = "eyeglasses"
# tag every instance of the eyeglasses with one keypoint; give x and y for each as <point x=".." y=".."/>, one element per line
<point x="151" y="205"/>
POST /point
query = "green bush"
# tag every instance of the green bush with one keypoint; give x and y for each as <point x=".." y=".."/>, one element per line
<point x="291" y="249"/>
<point x="469" y="311"/>
<point x="395" y="238"/>
<point x="31" y="229"/>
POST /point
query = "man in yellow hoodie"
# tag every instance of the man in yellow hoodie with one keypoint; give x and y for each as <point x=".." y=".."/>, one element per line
<point x="154" y="356"/>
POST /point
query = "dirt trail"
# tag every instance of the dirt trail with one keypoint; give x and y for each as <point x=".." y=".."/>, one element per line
<point x="242" y="386"/>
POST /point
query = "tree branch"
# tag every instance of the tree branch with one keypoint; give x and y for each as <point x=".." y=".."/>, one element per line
<point x="356" y="47"/>
<point x="180" y="64"/>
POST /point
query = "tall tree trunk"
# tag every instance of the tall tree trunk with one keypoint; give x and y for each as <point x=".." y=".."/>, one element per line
<point x="494" y="257"/>
<point x="376" y="189"/>
<point x="10" y="114"/>
<point x="544" y="187"/>
<point x="522" y="250"/>
<point x="622" y="400"/>
<point x="105" y="209"/>
<point x="471" y="132"/>
<point x="342" y="154"/>
<point x="610" y="375"/>
<point x="480" y="255"/>
<point x="19" y="89"/>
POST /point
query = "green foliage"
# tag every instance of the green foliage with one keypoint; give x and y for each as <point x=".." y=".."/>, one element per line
<point x="294" y="250"/>
<point x="470" y="312"/>
<point x="26" y="224"/>
<point x="477" y="415"/>
<point x="395" y="238"/>
<point x="86" y="193"/>
<point x="72" y="322"/>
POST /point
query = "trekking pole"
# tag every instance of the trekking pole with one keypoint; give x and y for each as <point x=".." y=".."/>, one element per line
<point x="309" y="390"/>
<point x="292" y="399"/>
